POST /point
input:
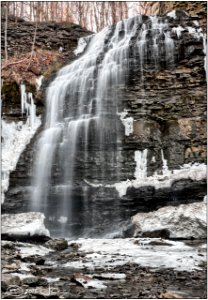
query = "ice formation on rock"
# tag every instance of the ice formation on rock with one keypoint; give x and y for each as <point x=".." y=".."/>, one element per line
<point x="183" y="221"/>
<point x="154" y="253"/>
<point x="24" y="224"/>
<point x="15" y="137"/>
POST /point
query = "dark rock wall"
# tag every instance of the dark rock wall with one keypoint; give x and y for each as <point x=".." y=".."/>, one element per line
<point x="169" y="110"/>
<point x="50" y="36"/>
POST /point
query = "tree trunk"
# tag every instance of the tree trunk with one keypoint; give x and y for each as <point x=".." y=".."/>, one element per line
<point x="21" y="9"/>
<point x="113" y="12"/>
<point x="33" y="45"/>
<point x="30" y="11"/>
<point x="5" y="32"/>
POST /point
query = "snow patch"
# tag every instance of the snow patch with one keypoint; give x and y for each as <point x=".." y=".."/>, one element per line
<point x="178" y="30"/>
<point x="122" y="187"/>
<point x="15" y="138"/>
<point x="16" y="135"/>
<point x="24" y="224"/>
<point x="183" y="221"/>
<point x="127" y="122"/>
<point x="25" y="266"/>
<point x="27" y="249"/>
<point x="196" y="32"/>
<point x="172" y="14"/>
<point x="112" y="276"/>
<point x="108" y="253"/>
<point x="196" y="172"/>
<point x="51" y="279"/>
<point x="153" y="159"/>
<point x="82" y="44"/>
<point x="93" y="184"/>
<point x="22" y="276"/>
<point x="88" y="282"/>
<point x="196" y="23"/>
<point x="39" y="81"/>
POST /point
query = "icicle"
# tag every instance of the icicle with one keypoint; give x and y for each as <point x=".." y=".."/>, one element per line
<point x="28" y="107"/>
<point x="23" y="97"/>
<point x="165" y="165"/>
<point x="15" y="138"/>
<point x="140" y="158"/>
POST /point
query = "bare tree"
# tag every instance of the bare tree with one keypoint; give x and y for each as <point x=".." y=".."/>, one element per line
<point x="93" y="15"/>
<point x="113" y="11"/>
<point x="33" y="46"/>
<point x="5" y="30"/>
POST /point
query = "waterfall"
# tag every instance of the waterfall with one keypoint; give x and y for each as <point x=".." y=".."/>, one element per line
<point x="84" y="103"/>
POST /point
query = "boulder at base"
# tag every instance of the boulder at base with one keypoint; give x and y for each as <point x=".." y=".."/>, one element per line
<point x="24" y="225"/>
<point x="185" y="221"/>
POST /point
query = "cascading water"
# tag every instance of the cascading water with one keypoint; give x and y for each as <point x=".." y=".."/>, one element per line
<point x="81" y="102"/>
<point x="81" y="140"/>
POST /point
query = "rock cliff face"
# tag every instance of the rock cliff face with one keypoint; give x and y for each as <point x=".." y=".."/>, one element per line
<point x="163" y="126"/>
<point x="50" y="36"/>
<point x="197" y="9"/>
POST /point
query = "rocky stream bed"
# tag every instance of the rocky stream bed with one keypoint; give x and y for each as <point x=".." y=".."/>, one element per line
<point x="107" y="268"/>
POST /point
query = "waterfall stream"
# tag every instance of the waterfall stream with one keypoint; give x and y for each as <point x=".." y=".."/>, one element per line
<point x="82" y="136"/>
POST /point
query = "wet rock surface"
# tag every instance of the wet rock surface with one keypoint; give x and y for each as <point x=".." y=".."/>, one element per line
<point x="28" y="279"/>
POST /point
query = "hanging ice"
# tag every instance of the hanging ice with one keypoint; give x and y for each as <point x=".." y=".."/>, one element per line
<point x="15" y="138"/>
<point x="16" y="135"/>
<point x="28" y="106"/>
<point x="141" y="164"/>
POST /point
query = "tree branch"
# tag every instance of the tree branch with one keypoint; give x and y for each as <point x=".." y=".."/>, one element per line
<point x="13" y="63"/>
